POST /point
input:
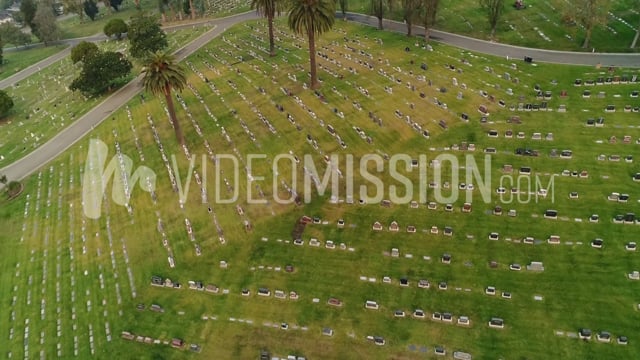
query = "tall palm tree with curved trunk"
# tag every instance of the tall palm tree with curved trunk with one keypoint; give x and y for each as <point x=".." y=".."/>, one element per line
<point x="162" y="75"/>
<point x="311" y="18"/>
<point x="269" y="9"/>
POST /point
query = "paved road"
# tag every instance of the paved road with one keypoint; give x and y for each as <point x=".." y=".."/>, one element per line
<point x="47" y="152"/>
<point x="482" y="46"/>
<point x="51" y="149"/>
<point x="504" y="50"/>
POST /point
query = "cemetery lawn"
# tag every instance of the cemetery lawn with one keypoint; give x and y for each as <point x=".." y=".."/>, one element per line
<point x="35" y="120"/>
<point x="16" y="61"/>
<point x="74" y="27"/>
<point x="85" y="278"/>
<point x="538" y="26"/>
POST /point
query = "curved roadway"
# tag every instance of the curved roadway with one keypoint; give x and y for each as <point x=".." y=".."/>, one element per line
<point x="504" y="50"/>
<point x="51" y="149"/>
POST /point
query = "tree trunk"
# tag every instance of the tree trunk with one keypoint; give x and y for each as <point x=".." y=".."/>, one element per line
<point x="172" y="115"/>
<point x="193" y="10"/>
<point x="635" y="39"/>
<point x="427" y="31"/>
<point x="272" y="46"/>
<point x="81" y="13"/>
<point x="164" y="17"/>
<point x="587" y="38"/>
<point x="493" y="33"/>
<point x="409" y="26"/>
<point x="312" y="56"/>
<point x="380" y="23"/>
<point x="137" y="2"/>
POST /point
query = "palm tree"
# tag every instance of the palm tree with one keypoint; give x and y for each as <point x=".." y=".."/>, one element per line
<point x="312" y="17"/>
<point x="162" y="75"/>
<point x="269" y="9"/>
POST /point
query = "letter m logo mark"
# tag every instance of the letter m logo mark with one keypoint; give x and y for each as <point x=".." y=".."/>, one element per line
<point x="96" y="177"/>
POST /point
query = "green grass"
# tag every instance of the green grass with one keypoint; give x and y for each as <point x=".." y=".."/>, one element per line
<point x="16" y="61"/>
<point x="581" y="286"/>
<point x="74" y="27"/>
<point x="522" y="27"/>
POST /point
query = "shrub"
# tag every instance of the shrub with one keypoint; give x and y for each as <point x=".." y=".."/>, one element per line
<point x="6" y="103"/>
<point x="115" y="27"/>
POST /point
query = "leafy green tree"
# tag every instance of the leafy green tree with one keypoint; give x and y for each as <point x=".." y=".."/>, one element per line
<point x="344" y="5"/>
<point x="200" y="6"/>
<point x="115" y="4"/>
<point x="28" y="9"/>
<point x="162" y="9"/>
<point x="6" y="103"/>
<point x="193" y="10"/>
<point x="411" y="12"/>
<point x="18" y="17"/>
<point x="177" y="8"/>
<point x="162" y="75"/>
<point x="145" y="35"/>
<point x="429" y="16"/>
<point x="494" y="9"/>
<point x="189" y="9"/>
<point x="377" y="8"/>
<point x="84" y="51"/>
<point x="100" y="73"/>
<point x="115" y="27"/>
<point x="13" y="35"/>
<point x="590" y="13"/>
<point x="269" y="9"/>
<point x="91" y="9"/>
<point x="186" y="7"/>
<point x="636" y="6"/>
<point x="74" y="7"/>
<point x="312" y="18"/>
<point x="1" y="55"/>
<point x="46" y="25"/>
<point x="14" y="188"/>
<point x="390" y="4"/>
